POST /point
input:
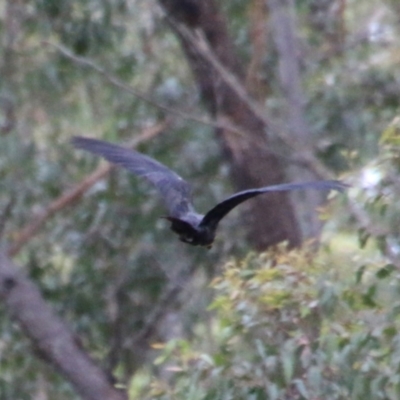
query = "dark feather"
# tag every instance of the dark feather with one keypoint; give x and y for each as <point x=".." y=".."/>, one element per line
<point x="191" y="227"/>
<point x="215" y="215"/>
<point x="175" y="192"/>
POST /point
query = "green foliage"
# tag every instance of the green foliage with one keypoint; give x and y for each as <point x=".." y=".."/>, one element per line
<point x="286" y="327"/>
<point x="282" y="325"/>
<point x="378" y="192"/>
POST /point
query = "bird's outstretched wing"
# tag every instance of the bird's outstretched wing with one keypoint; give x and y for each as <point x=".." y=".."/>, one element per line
<point x="175" y="191"/>
<point x="215" y="215"/>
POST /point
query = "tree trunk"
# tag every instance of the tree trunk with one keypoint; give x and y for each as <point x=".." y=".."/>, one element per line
<point x="52" y="339"/>
<point x="270" y="219"/>
<point x="286" y="43"/>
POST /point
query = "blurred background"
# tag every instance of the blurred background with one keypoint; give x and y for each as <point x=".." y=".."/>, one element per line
<point x="168" y="320"/>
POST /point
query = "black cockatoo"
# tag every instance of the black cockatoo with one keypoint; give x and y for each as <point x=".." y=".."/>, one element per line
<point x="191" y="227"/>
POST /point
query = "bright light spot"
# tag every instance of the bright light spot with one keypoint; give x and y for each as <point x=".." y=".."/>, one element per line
<point x="370" y="178"/>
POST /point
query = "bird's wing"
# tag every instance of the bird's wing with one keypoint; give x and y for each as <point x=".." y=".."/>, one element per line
<point x="215" y="215"/>
<point x="175" y="191"/>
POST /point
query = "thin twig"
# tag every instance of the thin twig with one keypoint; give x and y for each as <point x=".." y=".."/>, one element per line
<point x="201" y="45"/>
<point x="129" y="89"/>
<point x="300" y="155"/>
<point x="74" y="194"/>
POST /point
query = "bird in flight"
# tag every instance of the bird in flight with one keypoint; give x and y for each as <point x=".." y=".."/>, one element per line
<point x="191" y="227"/>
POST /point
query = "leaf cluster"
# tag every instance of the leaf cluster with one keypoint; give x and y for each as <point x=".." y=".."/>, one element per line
<point x="286" y="327"/>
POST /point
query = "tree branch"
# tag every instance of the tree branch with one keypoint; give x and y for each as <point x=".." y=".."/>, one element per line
<point x="51" y="336"/>
<point x="300" y="158"/>
<point x="129" y="89"/>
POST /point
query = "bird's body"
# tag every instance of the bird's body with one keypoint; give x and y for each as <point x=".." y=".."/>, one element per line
<point x="190" y="230"/>
<point x="191" y="227"/>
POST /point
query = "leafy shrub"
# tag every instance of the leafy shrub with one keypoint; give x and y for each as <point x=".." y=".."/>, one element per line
<point x="286" y="327"/>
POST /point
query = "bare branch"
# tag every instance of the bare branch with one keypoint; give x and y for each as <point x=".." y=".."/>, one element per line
<point x="302" y="155"/>
<point x="200" y="44"/>
<point x="129" y="89"/>
<point x="74" y="194"/>
<point x="51" y="336"/>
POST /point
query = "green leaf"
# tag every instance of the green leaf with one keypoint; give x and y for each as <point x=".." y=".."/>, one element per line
<point x="385" y="271"/>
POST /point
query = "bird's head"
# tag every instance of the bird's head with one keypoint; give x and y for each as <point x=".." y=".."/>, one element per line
<point x="190" y="232"/>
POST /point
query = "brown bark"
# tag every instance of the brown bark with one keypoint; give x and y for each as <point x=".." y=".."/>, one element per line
<point x="270" y="218"/>
<point x="51" y="337"/>
<point x="258" y="33"/>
